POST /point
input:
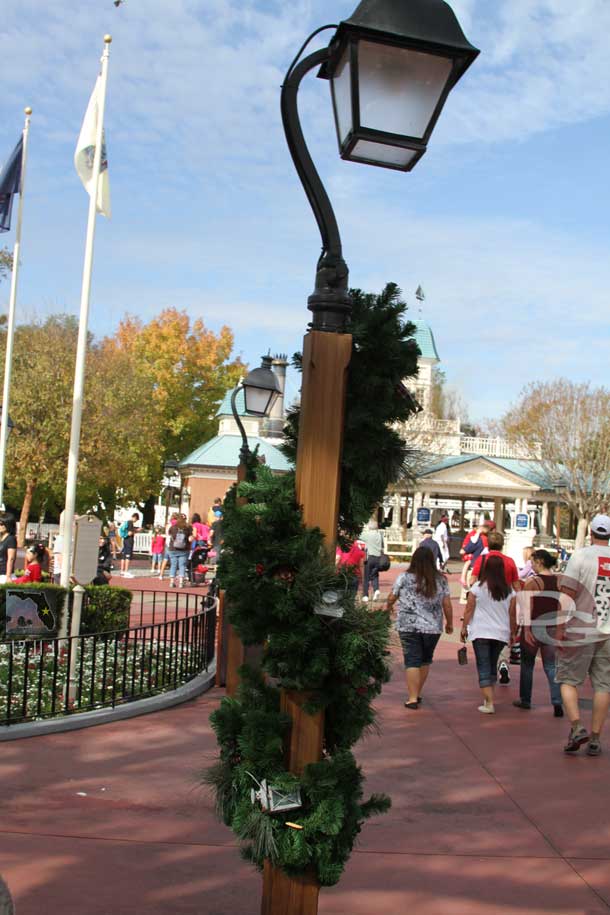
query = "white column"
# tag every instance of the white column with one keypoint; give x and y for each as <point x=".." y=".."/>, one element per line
<point x="499" y="514"/>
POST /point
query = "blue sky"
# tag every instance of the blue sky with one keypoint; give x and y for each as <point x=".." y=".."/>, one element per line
<point x="504" y="222"/>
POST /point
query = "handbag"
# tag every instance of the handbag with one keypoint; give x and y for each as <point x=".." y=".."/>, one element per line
<point x="384" y="563"/>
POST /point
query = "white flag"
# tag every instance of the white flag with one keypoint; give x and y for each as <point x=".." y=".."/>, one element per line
<point x="85" y="152"/>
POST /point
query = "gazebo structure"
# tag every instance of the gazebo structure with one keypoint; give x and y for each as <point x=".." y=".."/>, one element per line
<point x="466" y="477"/>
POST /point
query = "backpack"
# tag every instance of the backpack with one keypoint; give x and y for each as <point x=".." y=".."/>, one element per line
<point x="179" y="540"/>
<point x="124" y="530"/>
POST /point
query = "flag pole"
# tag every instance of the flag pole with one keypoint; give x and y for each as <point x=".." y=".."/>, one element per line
<point x="10" y="330"/>
<point x="81" y="350"/>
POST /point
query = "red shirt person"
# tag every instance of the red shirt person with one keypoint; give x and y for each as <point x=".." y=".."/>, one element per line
<point x="496" y="543"/>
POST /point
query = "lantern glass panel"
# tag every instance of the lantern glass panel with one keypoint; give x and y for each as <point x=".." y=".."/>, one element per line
<point x="342" y="95"/>
<point x="256" y="400"/>
<point x="379" y="152"/>
<point x="399" y="88"/>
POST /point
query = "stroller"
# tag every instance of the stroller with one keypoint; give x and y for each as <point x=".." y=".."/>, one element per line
<point x="196" y="568"/>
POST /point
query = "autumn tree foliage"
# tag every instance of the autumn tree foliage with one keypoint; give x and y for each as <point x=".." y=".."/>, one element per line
<point x="151" y="392"/>
<point x="185" y="370"/>
<point x="565" y="427"/>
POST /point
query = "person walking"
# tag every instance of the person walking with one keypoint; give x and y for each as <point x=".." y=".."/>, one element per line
<point x="128" y="530"/>
<point x="441" y="535"/>
<point x="490" y="624"/>
<point x="112" y="535"/>
<point x="179" y="546"/>
<point x="8" y="548"/>
<point x="429" y="543"/>
<point x="157" y="548"/>
<point x="533" y="605"/>
<point x="584" y="638"/>
<point x="495" y="542"/>
<point x="423" y="600"/>
<point x="373" y="542"/>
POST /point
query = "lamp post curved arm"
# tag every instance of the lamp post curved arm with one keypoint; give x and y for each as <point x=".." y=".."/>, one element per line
<point x="244" y="451"/>
<point x="330" y="302"/>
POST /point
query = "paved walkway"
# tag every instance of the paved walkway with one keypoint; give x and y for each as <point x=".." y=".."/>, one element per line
<point x="488" y="815"/>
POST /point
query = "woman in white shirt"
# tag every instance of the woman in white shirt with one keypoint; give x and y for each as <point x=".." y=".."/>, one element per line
<point x="490" y="622"/>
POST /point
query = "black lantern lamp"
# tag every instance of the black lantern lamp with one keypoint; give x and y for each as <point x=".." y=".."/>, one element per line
<point x="261" y="389"/>
<point x="392" y="66"/>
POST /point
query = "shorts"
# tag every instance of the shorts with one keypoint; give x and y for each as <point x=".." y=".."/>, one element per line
<point x="418" y="647"/>
<point x="574" y="663"/>
<point x="127" y="551"/>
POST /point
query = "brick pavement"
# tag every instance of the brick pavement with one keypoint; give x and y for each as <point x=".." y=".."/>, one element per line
<point x="488" y="814"/>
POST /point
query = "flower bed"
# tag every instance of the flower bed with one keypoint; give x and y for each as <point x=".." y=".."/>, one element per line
<point x="107" y="672"/>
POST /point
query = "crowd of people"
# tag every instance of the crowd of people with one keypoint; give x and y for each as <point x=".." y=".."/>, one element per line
<point x="514" y="614"/>
<point x="173" y="546"/>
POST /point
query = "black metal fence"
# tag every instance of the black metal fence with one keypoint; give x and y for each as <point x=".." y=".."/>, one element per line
<point x="174" y="642"/>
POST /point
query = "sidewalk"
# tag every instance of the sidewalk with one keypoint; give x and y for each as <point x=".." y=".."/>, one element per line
<point x="488" y="814"/>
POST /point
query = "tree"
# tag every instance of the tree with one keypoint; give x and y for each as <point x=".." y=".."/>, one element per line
<point x="446" y="402"/>
<point x="565" y="427"/>
<point x="188" y="370"/>
<point x="119" y="448"/>
<point x="6" y="262"/>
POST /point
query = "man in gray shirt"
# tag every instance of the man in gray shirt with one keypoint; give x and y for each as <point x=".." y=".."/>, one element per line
<point x="373" y="540"/>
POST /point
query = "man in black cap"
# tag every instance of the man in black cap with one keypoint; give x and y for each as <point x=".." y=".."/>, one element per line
<point x="431" y="544"/>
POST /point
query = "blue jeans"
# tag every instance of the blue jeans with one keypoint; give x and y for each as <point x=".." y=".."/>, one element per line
<point x="487" y="652"/>
<point x="177" y="563"/>
<point x="528" y="660"/>
<point x="371" y="575"/>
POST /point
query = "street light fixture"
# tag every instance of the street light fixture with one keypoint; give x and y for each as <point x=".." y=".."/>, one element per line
<point x="261" y="389"/>
<point x="391" y="68"/>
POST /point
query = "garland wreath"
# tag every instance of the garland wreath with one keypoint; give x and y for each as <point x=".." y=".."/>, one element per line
<point x="284" y="591"/>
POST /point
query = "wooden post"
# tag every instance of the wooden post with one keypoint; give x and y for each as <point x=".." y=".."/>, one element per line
<point x="326" y="358"/>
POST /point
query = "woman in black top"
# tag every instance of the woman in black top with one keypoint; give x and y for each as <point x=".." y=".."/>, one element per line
<point x="8" y="548"/>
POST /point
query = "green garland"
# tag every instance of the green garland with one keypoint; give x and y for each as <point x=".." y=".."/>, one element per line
<point x="375" y="454"/>
<point x="275" y="571"/>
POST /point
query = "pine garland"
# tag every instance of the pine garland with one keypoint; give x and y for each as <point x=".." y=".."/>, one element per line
<point x="275" y="571"/>
<point x="384" y="354"/>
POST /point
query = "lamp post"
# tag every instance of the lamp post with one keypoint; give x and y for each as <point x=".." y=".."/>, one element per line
<point x="260" y="388"/>
<point x="391" y="66"/>
<point x="170" y="469"/>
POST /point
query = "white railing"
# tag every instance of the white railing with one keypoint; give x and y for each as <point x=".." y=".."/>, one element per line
<point x="142" y="542"/>
<point x="496" y="447"/>
<point x="423" y="422"/>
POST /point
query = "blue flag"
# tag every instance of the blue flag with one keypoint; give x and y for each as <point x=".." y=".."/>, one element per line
<point x="10" y="184"/>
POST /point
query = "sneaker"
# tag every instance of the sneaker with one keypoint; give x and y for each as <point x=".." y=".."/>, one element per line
<point x="172" y="583"/>
<point x="519" y="703"/>
<point x="487" y="709"/>
<point x="595" y="747"/>
<point x="575" y="740"/>
<point x="558" y="711"/>
<point x="504" y="674"/>
<point x="376" y="595"/>
<point x="365" y="600"/>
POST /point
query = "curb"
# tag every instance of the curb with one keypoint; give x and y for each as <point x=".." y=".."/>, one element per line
<point x="195" y="687"/>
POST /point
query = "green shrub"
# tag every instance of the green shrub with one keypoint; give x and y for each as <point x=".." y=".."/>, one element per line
<point x="105" y="609"/>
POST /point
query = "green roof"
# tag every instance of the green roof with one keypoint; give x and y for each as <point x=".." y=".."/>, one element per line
<point x="425" y="340"/>
<point x="223" y="451"/>
<point x="225" y="407"/>
<point x="529" y="470"/>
